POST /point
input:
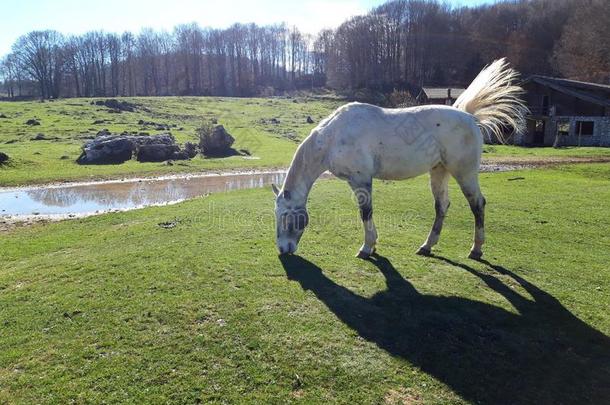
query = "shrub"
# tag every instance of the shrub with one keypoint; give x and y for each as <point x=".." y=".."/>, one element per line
<point x="214" y="140"/>
<point x="400" y="99"/>
<point x="204" y="132"/>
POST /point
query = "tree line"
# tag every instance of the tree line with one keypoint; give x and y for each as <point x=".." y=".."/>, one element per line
<point x="402" y="44"/>
<point x="242" y="60"/>
<point x="417" y="43"/>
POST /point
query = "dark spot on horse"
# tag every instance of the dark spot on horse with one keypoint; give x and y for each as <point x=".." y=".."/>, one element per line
<point x="438" y="208"/>
<point x="438" y="125"/>
<point x="478" y="215"/>
<point x="287" y="194"/>
<point x="380" y="143"/>
<point x="437" y="227"/>
<point x="366" y="213"/>
<point x="342" y="175"/>
<point x="440" y="215"/>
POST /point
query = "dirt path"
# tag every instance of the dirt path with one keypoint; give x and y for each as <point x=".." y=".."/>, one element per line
<point x="518" y="163"/>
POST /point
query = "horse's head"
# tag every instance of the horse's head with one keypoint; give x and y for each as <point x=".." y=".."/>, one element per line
<point x="290" y="221"/>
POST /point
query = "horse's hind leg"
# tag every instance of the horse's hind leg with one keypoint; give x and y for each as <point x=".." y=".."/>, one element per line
<point x="470" y="187"/>
<point x="439" y="179"/>
<point x="363" y="193"/>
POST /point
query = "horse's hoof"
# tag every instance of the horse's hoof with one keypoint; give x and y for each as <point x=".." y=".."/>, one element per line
<point x="363" y="254"/>
<point x="423" y="251"/>
<point x="475" y="255"/>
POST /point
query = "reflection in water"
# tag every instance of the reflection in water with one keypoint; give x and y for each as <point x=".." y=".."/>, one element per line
<point x="89" y="198"/>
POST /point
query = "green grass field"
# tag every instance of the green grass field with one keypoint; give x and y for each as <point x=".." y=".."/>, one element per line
<point x="115" y="308"/>
<point x="68" y="124"/>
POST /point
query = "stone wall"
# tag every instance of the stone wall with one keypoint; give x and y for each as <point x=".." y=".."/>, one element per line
<point x="600" y="137"/>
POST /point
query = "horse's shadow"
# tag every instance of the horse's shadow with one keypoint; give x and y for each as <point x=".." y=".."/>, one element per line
<point x="541" y="355"/>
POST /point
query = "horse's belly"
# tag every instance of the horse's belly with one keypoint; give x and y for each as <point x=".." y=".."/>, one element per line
<point x="402" y="172"/>
<point x="405" y="164"/>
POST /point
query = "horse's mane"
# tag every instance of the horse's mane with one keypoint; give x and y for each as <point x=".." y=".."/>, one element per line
<point x="306" y="155"/>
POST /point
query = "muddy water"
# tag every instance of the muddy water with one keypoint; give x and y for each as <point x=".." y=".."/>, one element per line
<point x="57" y="202"/>
<point x="86" y="199"/>
<point x="99" y="197"/>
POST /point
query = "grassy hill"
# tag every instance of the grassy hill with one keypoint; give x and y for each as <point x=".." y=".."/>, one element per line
<point x="269" y="129"/>
<point x="68" y="123"/>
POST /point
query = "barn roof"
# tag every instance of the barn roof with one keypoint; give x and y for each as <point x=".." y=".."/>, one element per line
<point x="592" y="92"/>
<point x="441" y="92"/>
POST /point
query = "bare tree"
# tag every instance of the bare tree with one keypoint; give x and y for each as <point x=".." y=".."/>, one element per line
<point x="113" y="41"/>
<point x="11" y="75"/>
<point x="39" y="54"/>
<point x="128" y="65"/>
<point x="400" y="45"/>
<point x="583" y="52"/>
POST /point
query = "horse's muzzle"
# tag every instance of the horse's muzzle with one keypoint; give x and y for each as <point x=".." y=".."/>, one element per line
<point x="287" y="250"/>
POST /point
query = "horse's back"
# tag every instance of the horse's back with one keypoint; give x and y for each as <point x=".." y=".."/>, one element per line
<point x="400" y="143"/>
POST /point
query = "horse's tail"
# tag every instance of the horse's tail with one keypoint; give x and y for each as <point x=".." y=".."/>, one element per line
<point x="494" y="100"/>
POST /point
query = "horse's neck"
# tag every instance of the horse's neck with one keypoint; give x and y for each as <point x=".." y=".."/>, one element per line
<point x="308" y="164"/>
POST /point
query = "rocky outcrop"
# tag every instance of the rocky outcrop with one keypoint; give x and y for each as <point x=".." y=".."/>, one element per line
<point x="104" y="132"/>
<point x="107" y="149"/>
<point x="115" y="105"/>
<point x="3" y="158"/>
<point x="40" y="137"/>
<point x="190" y="149"/>
<point x="157" y="125"/>
<point x="216" y="142"/>
<point x="114" y="149"/>
<point x="156" y="148"/>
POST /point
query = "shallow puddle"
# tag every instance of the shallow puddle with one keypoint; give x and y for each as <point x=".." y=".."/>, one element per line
<point x="72" y="200"/>
<point x="83" y="199"/>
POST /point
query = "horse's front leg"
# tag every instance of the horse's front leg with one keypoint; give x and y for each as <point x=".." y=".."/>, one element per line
<point x="363" y="193"/>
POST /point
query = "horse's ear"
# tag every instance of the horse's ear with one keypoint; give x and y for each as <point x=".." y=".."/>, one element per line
<point x="276" y="190"/>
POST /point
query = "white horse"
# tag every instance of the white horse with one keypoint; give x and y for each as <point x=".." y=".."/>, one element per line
<point x="359" y="142"/>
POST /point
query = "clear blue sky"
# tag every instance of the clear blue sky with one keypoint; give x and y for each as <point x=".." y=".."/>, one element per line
<point x="77" y="16"/>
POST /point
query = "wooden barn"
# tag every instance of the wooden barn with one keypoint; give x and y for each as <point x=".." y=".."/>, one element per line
<point x="439" y="95"/>
<point x="565" y="113"/>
